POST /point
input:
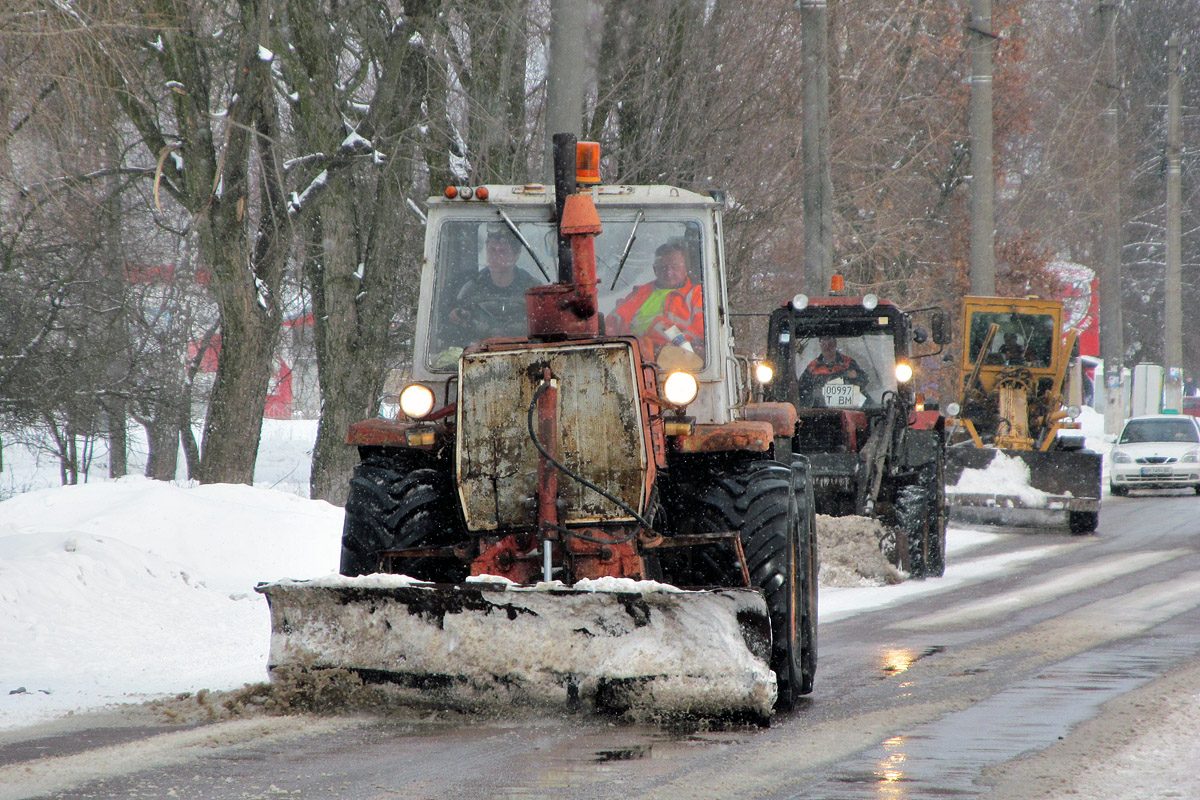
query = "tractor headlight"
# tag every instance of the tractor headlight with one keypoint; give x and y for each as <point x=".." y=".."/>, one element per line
<point x="953" y="408"/>
<point x="800" y="302"/>
<point x="416" y="400"/>
<point x="680" y="388"/>
<point x="1121" y="457"/>
<point x="1074" y="411"/>
<point x="763" y="372"/>
<point x="904" y="372"/>
<point x="870" y="301"/>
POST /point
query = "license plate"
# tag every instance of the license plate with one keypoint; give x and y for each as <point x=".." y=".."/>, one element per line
<point x="1156" y="470"/>
<point x="839" y="396"/>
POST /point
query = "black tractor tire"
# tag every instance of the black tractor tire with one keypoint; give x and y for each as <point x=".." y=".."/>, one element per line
<point x="401" y="501"/>
<point x="1123" y="491"/>
<point x="1081" y="522"/>
<point x="915" y="516"/>
<point x="770" y="505"/>
<point x="933" y="477"/>
<point x="810" y="568"/>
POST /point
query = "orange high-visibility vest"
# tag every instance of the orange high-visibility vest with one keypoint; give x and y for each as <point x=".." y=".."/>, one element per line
<point x="684" y="307"/>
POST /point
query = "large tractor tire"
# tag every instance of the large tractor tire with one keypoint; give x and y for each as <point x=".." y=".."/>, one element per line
<point x="1081" y="522"/>
<point x="770" y="505"/>
<point x="934" y="478"/>
<point x="920" y="512"/>
<point x="396" y="502"/>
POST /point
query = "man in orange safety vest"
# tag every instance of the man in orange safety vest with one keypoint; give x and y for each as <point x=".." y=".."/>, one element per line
<point x="670" y="309"/>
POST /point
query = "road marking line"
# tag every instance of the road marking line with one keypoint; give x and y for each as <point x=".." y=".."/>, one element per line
<point x="1058" y="584"/>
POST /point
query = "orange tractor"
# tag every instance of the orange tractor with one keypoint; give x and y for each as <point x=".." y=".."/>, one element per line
<point x="564" y="514"/>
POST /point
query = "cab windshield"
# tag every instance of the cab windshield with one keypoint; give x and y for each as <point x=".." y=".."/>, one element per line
<point x="1025" y="340"/>
<point x="483" y="270"/>
<point x="845" y="371"/>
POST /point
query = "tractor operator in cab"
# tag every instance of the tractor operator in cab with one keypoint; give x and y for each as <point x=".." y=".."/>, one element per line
<point x="1012" y="351"/>
<point x="668" y="310"/>
<point x="829" y="365"/>
<point x="492" y="303"/>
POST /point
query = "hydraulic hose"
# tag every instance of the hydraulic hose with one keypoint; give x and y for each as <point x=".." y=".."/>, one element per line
<point x="579" y="479"/>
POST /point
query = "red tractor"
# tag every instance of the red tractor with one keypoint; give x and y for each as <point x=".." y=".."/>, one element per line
<point x="847" y="364"/>
<point x="524" y="529"/>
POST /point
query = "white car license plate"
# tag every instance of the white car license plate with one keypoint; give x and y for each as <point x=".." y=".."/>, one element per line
<point x="1156" y="470"/>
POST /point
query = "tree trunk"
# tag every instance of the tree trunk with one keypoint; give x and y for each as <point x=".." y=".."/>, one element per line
<point x="235" y="408"/>
<point x="163" y="457"/>
<point x="118" y="437"/>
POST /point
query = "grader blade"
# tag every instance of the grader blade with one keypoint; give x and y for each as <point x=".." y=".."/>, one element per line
<point x="1056" y="480"/>
<point x="642" y="654"/>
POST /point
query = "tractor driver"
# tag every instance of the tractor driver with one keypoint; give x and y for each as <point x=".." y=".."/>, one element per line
<point x="492" y="302"/>
<point x="668" y="310"/>
<point x="1011" y="351"/>
<point x="829" y="365"/>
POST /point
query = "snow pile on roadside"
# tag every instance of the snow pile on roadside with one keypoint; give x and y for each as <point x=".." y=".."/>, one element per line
<point x="849" y="554"/>
<point x="118" y="591"/>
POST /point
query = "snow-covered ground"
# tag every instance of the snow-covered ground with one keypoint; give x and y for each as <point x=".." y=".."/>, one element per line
<point x="122" y="591"/>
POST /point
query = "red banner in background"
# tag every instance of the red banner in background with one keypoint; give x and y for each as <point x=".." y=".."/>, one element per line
<point x="1080" y="295"/>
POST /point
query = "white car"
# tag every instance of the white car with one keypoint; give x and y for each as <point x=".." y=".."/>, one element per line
<point x="1158" y="452"/>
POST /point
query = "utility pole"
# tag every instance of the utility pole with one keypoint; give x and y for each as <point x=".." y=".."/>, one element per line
<point x="818" y="183"/>
<point x="1112" y="340"/>
<point x="1172" y="312"/>
<point x="564" y="74"/>
<point x="982" y="269"/>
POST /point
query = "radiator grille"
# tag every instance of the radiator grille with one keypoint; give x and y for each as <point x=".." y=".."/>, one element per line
<point x="600" y="433"/>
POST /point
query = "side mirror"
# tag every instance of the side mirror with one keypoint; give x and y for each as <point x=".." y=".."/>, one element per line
<point x="920" y="335"/>
<point x="1111" y="438"/>
<point x="941" y="327"/>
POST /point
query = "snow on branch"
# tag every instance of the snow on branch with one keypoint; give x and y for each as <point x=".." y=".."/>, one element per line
<point x="296" y="201"/>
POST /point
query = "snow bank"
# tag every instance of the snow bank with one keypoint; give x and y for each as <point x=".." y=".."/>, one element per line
<point x="119" y="591"/>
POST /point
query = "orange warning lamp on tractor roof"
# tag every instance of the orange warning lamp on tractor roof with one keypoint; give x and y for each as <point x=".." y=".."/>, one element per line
<point x="837" y="283"/>
<point x="587" y="162"/>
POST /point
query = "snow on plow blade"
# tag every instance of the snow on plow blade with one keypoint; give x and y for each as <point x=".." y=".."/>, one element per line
<point x="643" y="654"/>
<point x="1057" y="480"/>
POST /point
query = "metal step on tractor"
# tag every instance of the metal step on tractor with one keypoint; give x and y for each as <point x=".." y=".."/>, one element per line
<point x="578" y="505"/>
<point x="875" y="449"/>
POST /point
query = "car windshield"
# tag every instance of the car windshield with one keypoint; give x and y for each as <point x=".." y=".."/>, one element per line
<point x="1158" y="430"/>
<point x="845" y="371"/>
<point x="483" y="272"/>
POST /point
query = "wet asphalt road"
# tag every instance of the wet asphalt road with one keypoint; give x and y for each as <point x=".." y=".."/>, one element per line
<point x="921" y="699"/>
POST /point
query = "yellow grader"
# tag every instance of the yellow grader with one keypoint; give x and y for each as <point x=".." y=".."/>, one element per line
<point x="1011" y="425"/>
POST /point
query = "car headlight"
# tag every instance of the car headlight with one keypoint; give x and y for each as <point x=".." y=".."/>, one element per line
<point x="680" y="388"/>
<point x="904" y="372"/>
<point x="1121" y="457"/>
<point x="416" y="400"/>
<point x="1191" y="456"/>
<point x="763" y="372"/>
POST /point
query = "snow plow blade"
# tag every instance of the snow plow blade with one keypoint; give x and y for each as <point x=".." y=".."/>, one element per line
<point x="1055" y="480"/>
<point x="641" y="654"/>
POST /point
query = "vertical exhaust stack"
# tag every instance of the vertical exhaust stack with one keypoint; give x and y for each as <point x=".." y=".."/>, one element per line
<point x="568" y="308"/>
